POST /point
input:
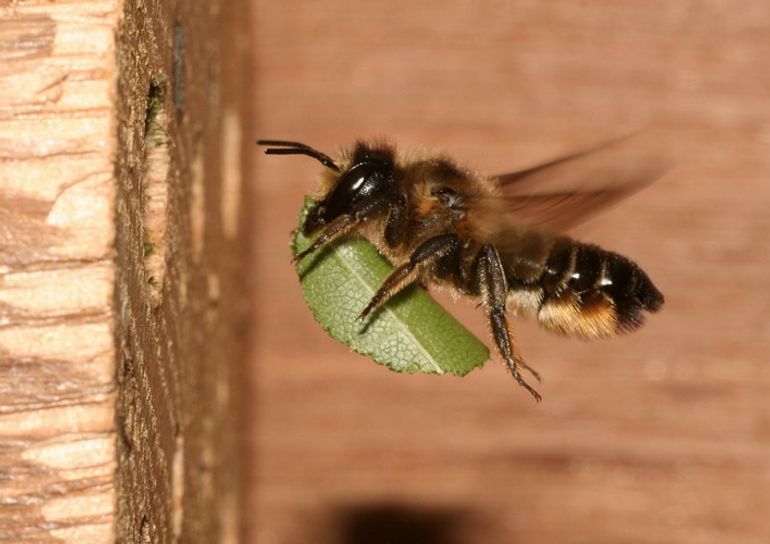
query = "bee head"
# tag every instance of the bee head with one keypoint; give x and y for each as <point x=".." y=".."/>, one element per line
<point x="361" y="189"/>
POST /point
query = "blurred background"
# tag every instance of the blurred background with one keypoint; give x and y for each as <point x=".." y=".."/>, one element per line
<point x="660" y="436"/>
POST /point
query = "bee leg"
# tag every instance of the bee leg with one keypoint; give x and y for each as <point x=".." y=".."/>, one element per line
<point x="494" y="290"/>
<point x="398" y="218"/>
<point x="426" y="254"/>
<point x="330" y="232"/>
<point x="531" y="370"/>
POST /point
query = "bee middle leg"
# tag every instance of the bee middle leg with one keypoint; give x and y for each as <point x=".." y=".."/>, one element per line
<point x="494" y="289"/>
<point x="429" y="253"/>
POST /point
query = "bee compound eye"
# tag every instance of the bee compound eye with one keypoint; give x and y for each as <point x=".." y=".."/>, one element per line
<point x="359" y="185"/>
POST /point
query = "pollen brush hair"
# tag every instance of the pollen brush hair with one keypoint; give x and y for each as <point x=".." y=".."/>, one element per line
<point x="494" y="238"/>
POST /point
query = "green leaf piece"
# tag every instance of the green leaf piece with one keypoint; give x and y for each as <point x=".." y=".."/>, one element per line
<point x="410" y="333"/>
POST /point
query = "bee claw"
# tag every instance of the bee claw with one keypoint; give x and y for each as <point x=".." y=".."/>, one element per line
<point x="301" y="255"/>
<point x="535" y="373"/>
<point x="365" y="312"/>
<point x="512" y="364"/>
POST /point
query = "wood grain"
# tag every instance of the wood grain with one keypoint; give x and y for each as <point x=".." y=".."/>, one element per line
<point x="661" y="436"/>
<point x="57" y="353"/>
<point x="180" y="279"/>
<point x="121" y="271"/>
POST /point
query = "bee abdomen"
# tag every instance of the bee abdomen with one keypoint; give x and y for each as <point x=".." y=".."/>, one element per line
<point x="590" y="293"/>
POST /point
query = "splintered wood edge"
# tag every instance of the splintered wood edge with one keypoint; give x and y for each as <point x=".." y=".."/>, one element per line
<point x="179" y="252"/>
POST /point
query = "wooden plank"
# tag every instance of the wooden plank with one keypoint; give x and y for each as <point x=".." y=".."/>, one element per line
<point x="57" y="351"/>
<point x="121" y="271"/>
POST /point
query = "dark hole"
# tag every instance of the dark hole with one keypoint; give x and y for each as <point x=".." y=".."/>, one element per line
<point x="155" y="99"/>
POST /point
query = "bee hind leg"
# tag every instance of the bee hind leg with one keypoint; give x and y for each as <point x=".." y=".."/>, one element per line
<point x="494" y="289"/>
<point x="427" y="254"/>
<point x="531" y="370"/>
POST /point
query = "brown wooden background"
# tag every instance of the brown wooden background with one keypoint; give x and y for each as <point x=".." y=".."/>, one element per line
<point x="663" y="436"/>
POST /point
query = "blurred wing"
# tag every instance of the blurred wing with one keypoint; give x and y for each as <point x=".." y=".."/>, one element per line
<point x="565" y="192"/>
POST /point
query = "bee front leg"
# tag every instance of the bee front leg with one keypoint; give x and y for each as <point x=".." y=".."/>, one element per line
<point x="494" y="289"/>
<point x="342" y="224"/>
<point x="330" y="232"/>
<point x="427" y="254"/>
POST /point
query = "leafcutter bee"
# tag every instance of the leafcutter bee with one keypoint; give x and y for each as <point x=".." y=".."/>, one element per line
<point x="496" y="238"/>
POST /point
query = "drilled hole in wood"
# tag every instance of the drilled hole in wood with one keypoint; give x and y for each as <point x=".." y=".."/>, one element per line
<point x="155" y="193"/>
<point x="144" y="531"/>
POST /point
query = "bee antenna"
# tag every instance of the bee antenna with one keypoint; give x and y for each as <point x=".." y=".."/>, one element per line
<point x="286" y="147"/>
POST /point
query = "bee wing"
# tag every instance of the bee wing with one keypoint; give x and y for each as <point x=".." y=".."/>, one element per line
<point x="566" y="191"/>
